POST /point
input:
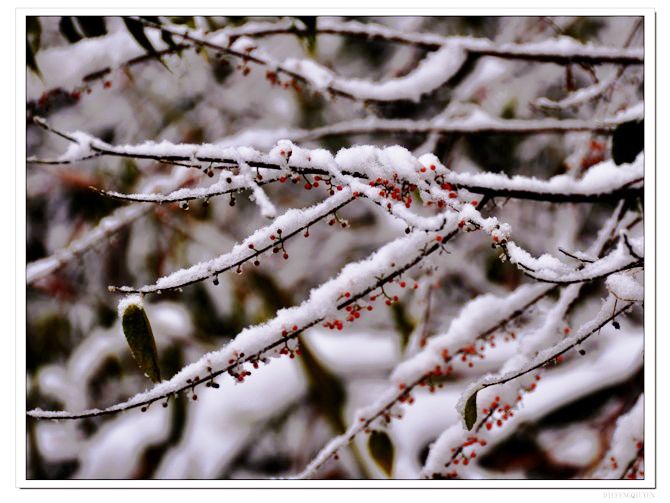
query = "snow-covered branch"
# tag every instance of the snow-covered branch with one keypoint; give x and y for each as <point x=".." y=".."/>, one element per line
<point x="275" y="338"/>
<point x="108" y="226"/>
<point x="433" y="72"/>
<point x="605" y="181"/>
<point x="625" y="457"/>
<point x="444" y="353"/>
<point x="271" y="238"/>
<point x="459" y="285"/>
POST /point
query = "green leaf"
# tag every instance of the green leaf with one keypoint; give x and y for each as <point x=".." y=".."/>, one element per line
<point x="137" y="330"/>
<point x="470" y="411"/>
<point x="382" y="451"/>
<point x="136" y="29"/>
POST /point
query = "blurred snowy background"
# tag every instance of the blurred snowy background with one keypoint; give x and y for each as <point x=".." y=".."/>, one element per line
<point x="274" y="423"/>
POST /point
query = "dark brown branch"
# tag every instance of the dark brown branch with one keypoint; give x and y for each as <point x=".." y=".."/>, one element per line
<point x="624" y="192"/>
<point x="553" y="357"/>
<point x="638" y="263"/>
<point x="256" y="253"/>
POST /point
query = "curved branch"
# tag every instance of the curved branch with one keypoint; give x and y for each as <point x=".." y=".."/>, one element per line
<point x="275" y="235"/>
<point x="107" y="226"/>
<point x="548" y="356"/>
<point x="254" y="344"/>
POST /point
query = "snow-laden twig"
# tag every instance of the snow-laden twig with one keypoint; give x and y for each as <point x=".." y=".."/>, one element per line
<point x="432" y="72"/>
<point x="127" y="55"/>
<point x="604" y="181"/>
<point x="438" y="354"/>
<point x="551" y="270"/>
<point x="477" y="121"/>
<point x="107" y="226"/>
<point x="626" y="453"/>
<point x="608" y="312"/>
<point x="443" y="351"/>
<point x="267" y="239"/>
<point x="256" y="344"/>
<point x="494" y="396"/>
<point x="579" y="97"/>
<point x="450" y="445"/>
<point x="561" y="50"/>
<point x="592" y="92"/>
<point x="222" y="187"/>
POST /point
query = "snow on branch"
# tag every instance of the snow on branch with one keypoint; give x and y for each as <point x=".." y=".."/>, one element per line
<point x="490" y="401"/>
<point x="508" y="326"/>
<point x="625" y="457"/>
<point x="477" y="121"/>
<point x="450" y="447"/>
<point x="458" y="347"/>
<point x="432" y="72"/>
<point x="561" y="50"/>
<point x="604" y="181"/>
<point x="271" y="238"/>
<point x="257" y="344"/>
<point x="60" y="68"/>
<point x="76" y="66"/>
<point x="438" y="358"/>
<point x="107" y="226"/>
<point x="551" y="270"/>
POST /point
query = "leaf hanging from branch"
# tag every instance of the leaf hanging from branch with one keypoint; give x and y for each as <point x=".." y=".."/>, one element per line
<point x="137" y="329"/>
